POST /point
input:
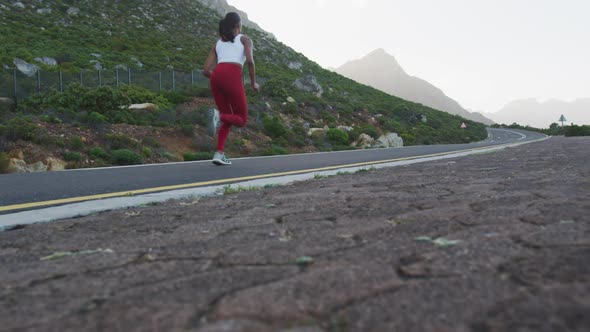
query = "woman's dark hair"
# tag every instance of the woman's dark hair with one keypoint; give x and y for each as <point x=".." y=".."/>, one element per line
<point x="227" y="25"/>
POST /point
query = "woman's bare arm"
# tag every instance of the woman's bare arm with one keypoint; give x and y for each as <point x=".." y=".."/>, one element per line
<point x="248" y="50"/>
<point x="211" y="60"/>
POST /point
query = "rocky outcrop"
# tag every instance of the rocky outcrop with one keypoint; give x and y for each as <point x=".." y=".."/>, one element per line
<point x="55" y="164"/>
<point x="390" y="140"/>
<point x="18" y="165"/>
<point x="295" y="65"/>
<point x="363" y="141"/>
<point x="313" y="131"/>
<point x="345" y="128"/>
<point x="36" y="167"/>
<point x="309" y="83"/>
<point x="25" y="67"/>
<point x="143" y="107"/>
<point x="47" y="61"/>
<point x="73" y="11"/>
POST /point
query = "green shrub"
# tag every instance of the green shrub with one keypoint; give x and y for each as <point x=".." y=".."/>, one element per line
<point x="151" y="142"/>
<point x="275" y="150"/>
<point x="276" y="88"/>
<point x="574" y="130"/>
<point x="193" y="156"/>
<point x="98" y="153"/>
<point x="171" y="156"/>
<point x="175" y="97"/>
<point x="76" y="143"/>
<point x="146" y="152"/>
<point x="273" y="127"/>
<point x="125" y="157"/>
<point x="19" y="128"/>
<point x="4" y="162"/>
<point x="139" y="95"/>
<point x="6" y="107"/>
<point x="72" y="156"/>
<point x="187" y="129"/>
<point x="337" y="136"/>
<point x="117" y="142"/>
<point x="328" y="118"/>
<point x="104" y="100"/>
<point x="94" y="119"/>
<point x="366" y="129"/>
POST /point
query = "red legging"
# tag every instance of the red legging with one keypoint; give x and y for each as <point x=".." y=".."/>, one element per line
<point x="228" y="91"/>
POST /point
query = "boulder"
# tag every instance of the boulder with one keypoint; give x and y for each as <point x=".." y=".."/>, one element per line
<point x="17" y="154"/>
<point x="36" y="167"/>
<point x="312" y="131"/>
<point x="345" y="128"/>
<point x="18" y="4"/>
<point x="44" y="11"/>
<point x="17" y="166"/>
<point x="26" y="68"/>
<point x="143" y="107"/>
<point x="309" y="83"/>
<point x="96" y="64"/>
<point x="47" y="61"/>
<point x="295" y="65"/>
<point x="73" y="11"/>
<point x="389" y="140"/>
<point x="363" y="141"/>
<point x="290" y="99"/>
<point x="55" y="164"/>
<point x="137" y="62"/>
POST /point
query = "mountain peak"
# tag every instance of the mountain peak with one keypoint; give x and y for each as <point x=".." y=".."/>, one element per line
<point x="382" y="55"/>
<point x="381" y="70"/>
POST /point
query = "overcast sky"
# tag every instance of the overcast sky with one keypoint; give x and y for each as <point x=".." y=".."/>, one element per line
<point x="482" y="53"/>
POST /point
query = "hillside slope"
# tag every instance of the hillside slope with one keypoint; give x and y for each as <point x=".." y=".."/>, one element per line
<point x="148" y="36"/>
<point x="382" y="71"/>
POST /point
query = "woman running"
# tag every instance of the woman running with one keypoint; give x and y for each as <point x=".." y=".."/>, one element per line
<point x="230" y="51"/>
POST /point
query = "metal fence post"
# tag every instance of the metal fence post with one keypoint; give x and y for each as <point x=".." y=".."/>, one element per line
<point x="99" y="78"/>
<point x="81" y="78"/>
<point x="38" y="80"/>
<point x="61" y="82"/>
<point x="160" y="74"/>
<point x="173" y="80"/>
<point x="192" y="77"/>
<point x="117" y="76"/>
<point x="129" y="75"/>
<point x="15" y="89"/>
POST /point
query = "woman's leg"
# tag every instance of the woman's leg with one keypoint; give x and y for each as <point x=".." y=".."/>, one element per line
<point x="239" y="104"/>
<point x="230" y="97"/>
<point x="222" y="135"/>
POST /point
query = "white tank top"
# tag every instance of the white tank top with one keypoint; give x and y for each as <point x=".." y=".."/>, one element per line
<point x="231" y="52"/>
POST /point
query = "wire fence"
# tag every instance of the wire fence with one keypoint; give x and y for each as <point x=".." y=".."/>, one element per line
<point x="18" y="86"/>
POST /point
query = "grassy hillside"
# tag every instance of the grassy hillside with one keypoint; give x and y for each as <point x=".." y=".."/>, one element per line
<point x="149" y="35"/>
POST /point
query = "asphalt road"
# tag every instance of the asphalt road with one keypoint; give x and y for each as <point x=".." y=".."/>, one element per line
<point x="40" y="187"/>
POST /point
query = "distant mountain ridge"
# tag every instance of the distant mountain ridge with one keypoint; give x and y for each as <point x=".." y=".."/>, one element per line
<point x="538" y="114"/>
<point x="382" y="71"/>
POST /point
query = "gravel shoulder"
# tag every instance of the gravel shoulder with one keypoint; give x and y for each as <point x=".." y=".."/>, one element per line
<point x="490" y="242"/>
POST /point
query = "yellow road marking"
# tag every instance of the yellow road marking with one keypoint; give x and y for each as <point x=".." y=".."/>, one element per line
<point x="214" y="182"/>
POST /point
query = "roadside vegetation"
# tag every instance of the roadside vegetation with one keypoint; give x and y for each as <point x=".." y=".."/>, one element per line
<point x="93" y="126"/>
<point x="554" y="129"/>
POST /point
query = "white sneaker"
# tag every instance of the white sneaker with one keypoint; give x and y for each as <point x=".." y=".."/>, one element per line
<point x="220" y="159"/>
<point x="214" y="121"/>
